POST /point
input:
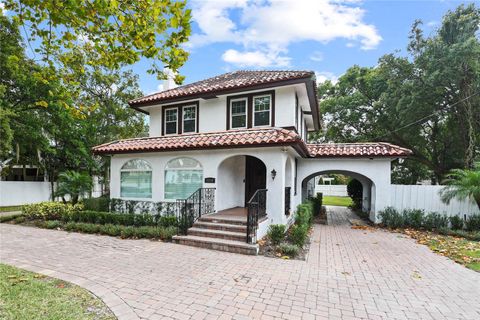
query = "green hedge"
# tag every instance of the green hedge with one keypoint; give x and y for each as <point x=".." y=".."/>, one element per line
<point x="276" y="233"/>
<point x="149" y="232"/>
<point x="50" y="210"/>
<point x="432" y="221"/>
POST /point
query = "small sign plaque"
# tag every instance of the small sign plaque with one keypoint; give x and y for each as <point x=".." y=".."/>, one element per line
<point x="210" y="180"/>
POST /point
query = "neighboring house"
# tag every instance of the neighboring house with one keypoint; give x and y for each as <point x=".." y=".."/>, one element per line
<point x="243" y="133"/>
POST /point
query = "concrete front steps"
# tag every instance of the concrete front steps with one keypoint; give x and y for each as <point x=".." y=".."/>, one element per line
<point x="222" y="233"/>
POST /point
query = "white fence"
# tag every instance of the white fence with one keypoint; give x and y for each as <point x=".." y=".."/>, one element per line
<point x="428" y="198"/>
<point x="331" y="190"/>
<point x="13" y="193"/>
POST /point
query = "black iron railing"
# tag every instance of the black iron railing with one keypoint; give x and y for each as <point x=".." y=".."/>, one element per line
<point x="287" y="200"/>
<point x="256" y="208"/>
<point x="189" y="210"/>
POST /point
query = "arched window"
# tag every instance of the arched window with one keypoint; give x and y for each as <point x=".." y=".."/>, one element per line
<point x="183" y="176"/>
<point x="136" y="179"/>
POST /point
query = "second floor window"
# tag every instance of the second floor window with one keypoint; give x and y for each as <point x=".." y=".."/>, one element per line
<point x="261" y="111"/>
<point x="189" y="119"/>
<point x="238" y="113"/>
<point x="171" y="116"/>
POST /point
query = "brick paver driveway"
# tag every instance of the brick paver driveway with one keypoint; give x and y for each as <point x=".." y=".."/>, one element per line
<point x="349" y="274"/>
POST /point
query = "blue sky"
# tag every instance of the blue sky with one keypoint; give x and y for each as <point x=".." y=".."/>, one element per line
<point x="324" y="36"/>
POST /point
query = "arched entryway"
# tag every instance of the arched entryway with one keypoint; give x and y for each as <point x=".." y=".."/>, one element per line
<point x="238" y="177"/>
<point x="368" y="187"/>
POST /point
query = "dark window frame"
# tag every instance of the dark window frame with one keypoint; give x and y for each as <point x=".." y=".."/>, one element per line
<point x="179" y="108"/>
<point x="249" y="97"/>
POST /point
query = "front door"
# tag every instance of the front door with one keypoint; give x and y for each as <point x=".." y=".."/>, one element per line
<point x="255" y="176"/>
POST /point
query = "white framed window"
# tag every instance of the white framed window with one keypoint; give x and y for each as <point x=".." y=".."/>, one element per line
<point x="262" y="107"/>
<point x="171" y="121"/>
<point x="189" y="121"/>
<point x="238" y="113"/>
<point x="183" y="176"/>
<point x="136" y="179"/>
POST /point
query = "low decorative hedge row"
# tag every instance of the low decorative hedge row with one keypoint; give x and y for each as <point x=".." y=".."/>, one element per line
<point x="148" y="232"/>
<point x="432" y="221"/>
<point x="67" y="213"/>
<point x="297" y="234"/>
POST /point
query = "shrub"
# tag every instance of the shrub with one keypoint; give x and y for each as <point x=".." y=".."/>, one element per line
<point x="10" y="217"/>
<point x="317" y="203"/>
<point x="413" y="218"/>
<point x="392" y="218"/>
<point x="456" y="222"/>
<point x="127" y="232"/>
<point x="53" y="224"/>
<point x="97" y="204"/>
<point x="168" y="221"/>
<point x="473" y="223"/>
<point x="70" y="226"/>
<point x="276" y="233"/>
<point x="19" y="219"/>
<point x="50" y="210"/>
<point x="435" y="221"/>
<point x="166" y="233"/>
<point x="304" y="214"/>
<point x="111" y="230"/>
<point x="290" y="250"/>
<point x="355" y="191"/>
<point x="298" y="234"/>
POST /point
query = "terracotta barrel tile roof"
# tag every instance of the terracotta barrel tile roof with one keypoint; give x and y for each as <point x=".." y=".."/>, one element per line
<point x="227" y="81"/>
<point x="369" y="149"/>
<point x="240" y="138"/>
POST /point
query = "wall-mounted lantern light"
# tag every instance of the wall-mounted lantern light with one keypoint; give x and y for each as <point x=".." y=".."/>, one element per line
<point x="274" y="174"/>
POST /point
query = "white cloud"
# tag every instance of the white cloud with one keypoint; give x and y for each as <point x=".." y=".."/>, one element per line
<point x="255" y="59"/>
<point x="316" y="56"/>
<point x="432" y="23"/>
<point x="323" y="76"/>
<point x="268" y="28"/>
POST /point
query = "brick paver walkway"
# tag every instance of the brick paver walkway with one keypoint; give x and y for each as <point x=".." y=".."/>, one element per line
<point x="349" y="274"/>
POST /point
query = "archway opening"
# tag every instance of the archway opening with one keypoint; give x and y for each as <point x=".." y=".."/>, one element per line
<point x="333" y="185"/>
<point x="238" y="177"/>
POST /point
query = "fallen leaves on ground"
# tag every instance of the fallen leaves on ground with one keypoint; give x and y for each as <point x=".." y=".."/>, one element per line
<point x="458" y="249"/>
<point x="357" y="227"/>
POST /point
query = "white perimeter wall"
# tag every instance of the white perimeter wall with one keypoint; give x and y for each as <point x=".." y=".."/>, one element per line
<point x="427" y="198"/>
<point x="339" y="190"/>
<point x="13" y="193"/>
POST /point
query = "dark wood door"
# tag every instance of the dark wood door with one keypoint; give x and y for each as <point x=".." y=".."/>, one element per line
<point x="255" y="176"/>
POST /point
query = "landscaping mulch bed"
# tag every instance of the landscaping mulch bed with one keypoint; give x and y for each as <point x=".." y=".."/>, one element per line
<point x="270" y="250"/>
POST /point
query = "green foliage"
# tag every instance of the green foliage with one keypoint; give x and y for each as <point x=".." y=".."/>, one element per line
<point x="53" y="224"/>
<point x="355" y="191"/>
<point x="290" y="250"/>
<point x="473" y="223"/>
<point x="298" y="234"/>
<point x="462" y="184"/>
<point x="391" y="218"/>
<point x="413" y="218"/>
<point x="97" y="204"/>
<point x="113" y="33"/>
<point x="73" y="184"/>
<point x="10" y="217"/>
<point x="435" y="221"/>
<point x="168" y="221"/>
<point x="317" y="202"/>
<point x="456" y="222"/>
<point x="276" y="233"/>
<point x="304" y="214"/>
<point x="50" y="210"/>
<point x="424" y="101"/>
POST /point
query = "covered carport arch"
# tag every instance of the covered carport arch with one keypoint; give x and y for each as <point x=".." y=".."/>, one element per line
<point x="373" y="173"/>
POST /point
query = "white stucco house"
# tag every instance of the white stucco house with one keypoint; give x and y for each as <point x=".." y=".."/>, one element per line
<point x="236" y="146"/>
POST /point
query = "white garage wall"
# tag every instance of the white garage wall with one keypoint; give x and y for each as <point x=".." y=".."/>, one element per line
<point x="428" y="198"/>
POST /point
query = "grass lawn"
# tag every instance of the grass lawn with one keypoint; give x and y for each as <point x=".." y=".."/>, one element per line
<point x="337" y="201"/>
<point x="10" y="208"/>
<point x="26" y="295"/>
<point x="460" y="250"/>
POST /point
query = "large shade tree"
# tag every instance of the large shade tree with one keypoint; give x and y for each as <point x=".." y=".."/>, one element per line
<point x="428" y="101"/>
